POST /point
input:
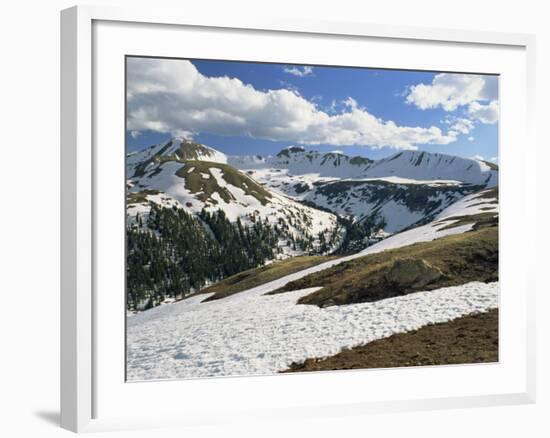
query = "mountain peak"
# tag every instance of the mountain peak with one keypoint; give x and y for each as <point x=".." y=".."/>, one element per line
<point x="286" y="152"/>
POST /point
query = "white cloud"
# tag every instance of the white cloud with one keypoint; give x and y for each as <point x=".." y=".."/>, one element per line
<point x="463" y="126"/>
<point x="169" y="96"/>
<point x="471" y="138"/>
<point x="135" y="134"/>
<point x="351" y="103"/>
<point x="183" y="133"/>
<point x="300" y="72"/>
<point x="290" y="87"/>
<point x="484" y="113"/>
<point x="451" y="90"/>
<point x="478" y="157"/>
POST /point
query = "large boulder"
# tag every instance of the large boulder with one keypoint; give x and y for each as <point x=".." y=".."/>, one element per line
<point x="412" y="273"/>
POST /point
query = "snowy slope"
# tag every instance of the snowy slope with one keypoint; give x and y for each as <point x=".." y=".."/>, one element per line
<point x="298" y="161"/>
<point x="412" y="165"/>
<point x="485" y="201"/>
<point x="265" y="334"/>
<point x="396" y="205"/>
<point x="252" y="333"/>
<point x="402" y="190"/>
<point x="424" y="165"/>
<point x="177" y="148"/>
<point x="193" y="177"/>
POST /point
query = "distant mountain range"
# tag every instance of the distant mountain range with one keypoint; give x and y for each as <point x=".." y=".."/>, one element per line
<point x="304" y="189"/>
<point x="404" y="189"/>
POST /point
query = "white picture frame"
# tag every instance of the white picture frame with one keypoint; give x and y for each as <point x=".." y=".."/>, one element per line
<point x="84" y="371"/>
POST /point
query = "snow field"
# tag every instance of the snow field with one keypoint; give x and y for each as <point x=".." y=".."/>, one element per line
<point x="469" y="205"/>
<point x="257" y="334"/>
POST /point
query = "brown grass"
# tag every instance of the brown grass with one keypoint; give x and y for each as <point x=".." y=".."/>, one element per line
<point x="257" y="276"/>
<point x="461" y="258"/>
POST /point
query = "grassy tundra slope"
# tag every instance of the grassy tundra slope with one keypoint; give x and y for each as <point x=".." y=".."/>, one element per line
<point x="449" y="261"/>
<point x="254" y="277"/>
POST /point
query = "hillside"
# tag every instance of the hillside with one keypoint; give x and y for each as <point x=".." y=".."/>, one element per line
<point x="449" y="261"/>
<point x="262" y="275"/>
<point x="195" y="178"/>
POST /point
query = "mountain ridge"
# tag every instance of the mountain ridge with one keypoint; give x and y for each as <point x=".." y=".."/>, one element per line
<point x="406" y="164"/>
<point x="304" y="192"/>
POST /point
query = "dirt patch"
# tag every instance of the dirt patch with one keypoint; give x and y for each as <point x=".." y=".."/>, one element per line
<point x="469" y="339"/>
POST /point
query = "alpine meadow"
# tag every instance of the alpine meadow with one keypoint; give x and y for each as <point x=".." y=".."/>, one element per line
<point x="293" y="218"/>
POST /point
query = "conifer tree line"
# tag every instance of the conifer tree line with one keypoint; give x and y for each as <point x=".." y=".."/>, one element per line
<point x="171" y="253"/>
<point x="357" y="233"/>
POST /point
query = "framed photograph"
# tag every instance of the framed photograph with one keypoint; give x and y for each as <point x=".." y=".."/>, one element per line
<point x="283" y="219"/>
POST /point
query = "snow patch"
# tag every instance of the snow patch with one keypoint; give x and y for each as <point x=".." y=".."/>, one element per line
<point x="259" y="334"/>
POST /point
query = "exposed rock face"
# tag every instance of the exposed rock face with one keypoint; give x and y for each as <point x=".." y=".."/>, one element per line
<point x="415" y="273"/>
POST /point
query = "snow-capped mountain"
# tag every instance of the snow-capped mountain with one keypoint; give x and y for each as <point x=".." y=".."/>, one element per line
<point x="394" y="206"/>
<point x="193" y="177"/>
<point x="435" y="166"/>
<point x="406" y="165"/>
<point x="177" y="149"/>
<point x="397" y="192"/>
<point x="297" y="161"/>
<point x="303" y="191"/>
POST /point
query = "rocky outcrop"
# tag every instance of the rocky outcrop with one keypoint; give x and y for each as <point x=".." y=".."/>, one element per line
<point x="412" y="273"/>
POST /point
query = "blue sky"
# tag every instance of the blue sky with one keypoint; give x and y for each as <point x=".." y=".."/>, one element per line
<point x="245" y="108"/>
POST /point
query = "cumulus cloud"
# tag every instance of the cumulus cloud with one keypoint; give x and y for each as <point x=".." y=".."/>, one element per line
<point x="484" y="113"/>
<point x="300" y="72"/>
<point x="183" y="133"/>
<point x="450" y="91"/>
<point x="463" y="126"/>
<point x="168" y="96"/>
<point x="290" y="87"/>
